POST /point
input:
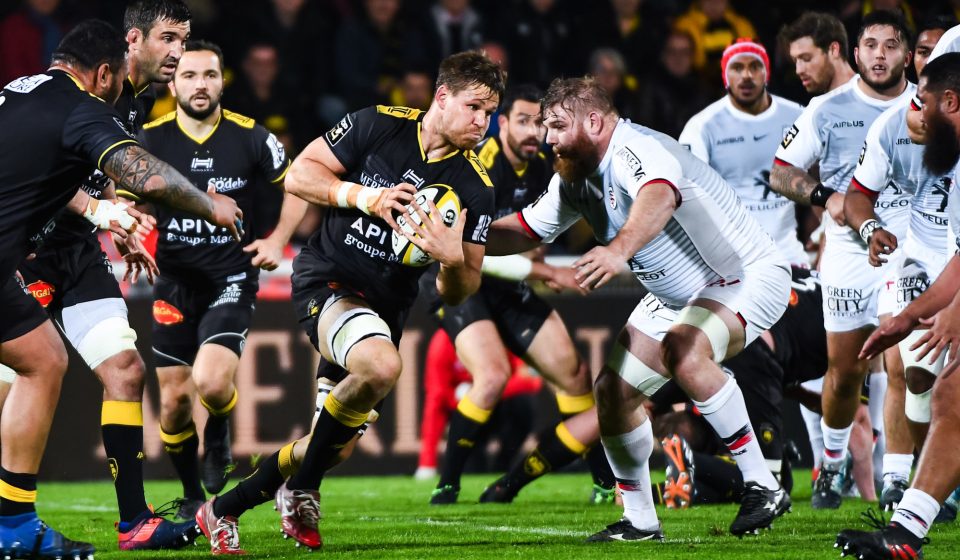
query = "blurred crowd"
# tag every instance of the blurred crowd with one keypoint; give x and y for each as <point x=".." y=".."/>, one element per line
<point x="296" y="66"/>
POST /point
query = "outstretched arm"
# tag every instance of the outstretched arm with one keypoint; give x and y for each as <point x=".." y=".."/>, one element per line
<point x="508" y="236"/>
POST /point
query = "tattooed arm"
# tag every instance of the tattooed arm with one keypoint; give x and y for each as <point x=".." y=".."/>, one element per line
<point x="799" y="186"/>
<point x="136" y="170"/>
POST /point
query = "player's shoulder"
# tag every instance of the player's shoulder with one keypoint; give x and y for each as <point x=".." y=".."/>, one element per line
<point x="636" y="149"/>
<point x="399" y="112"/>
<point x="479" y="171"/>
<point x="892" y="118"/>
<point x="487" y="151"/>
<point x="166" y="119"/>
<point x="709" y="114"/>
<point x="237" y="119"/>
<point x="787" y="105"/>
<point x="836" y="97"/>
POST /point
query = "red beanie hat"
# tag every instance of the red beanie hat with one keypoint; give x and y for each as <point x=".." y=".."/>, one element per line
<point x="744" y="46"/>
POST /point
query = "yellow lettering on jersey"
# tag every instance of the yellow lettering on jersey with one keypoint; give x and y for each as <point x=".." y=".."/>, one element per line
<point x="164" y="119"/>
<point x="478" y="167"/>
<point x="488" y="153"/>
<point x="399" y="112"/>
<point x="245" y="122"/>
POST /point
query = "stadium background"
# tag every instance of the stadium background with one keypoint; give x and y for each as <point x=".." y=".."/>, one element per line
<point x="297" y="65"/>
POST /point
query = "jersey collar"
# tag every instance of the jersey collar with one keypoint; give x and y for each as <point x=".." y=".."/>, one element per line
<point x="423" y="154"/>
<point x="200" y="139"/>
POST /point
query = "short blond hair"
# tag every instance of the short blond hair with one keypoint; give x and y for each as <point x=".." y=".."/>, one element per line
<point x="576" y="95"/>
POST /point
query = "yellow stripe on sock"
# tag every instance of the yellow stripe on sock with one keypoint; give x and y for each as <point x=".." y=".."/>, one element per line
<point x="569" y="404"/>
<point x="346" y="416"/>
<point x="14" y="494"/>
<point x="223" y="410"/>
<point x="178" y="438"/>
<point x="567" y="439"/>
<point x="472" y="411"/>
<point x="122" y="413"/>
<point x="287" y="464"/>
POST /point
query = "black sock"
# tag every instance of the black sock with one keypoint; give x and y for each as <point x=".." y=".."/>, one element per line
<point x="461" y="440"/>
<point x="18" y="495"/>
<point x="600" y="468"/>
<point x="718" y="476"/>
<point x="182" y="448"/>
<point x="124" y="448"/>
<point x="549" y="455"/>
<point x="335" y="427"/>
<point x="252" y="491"/>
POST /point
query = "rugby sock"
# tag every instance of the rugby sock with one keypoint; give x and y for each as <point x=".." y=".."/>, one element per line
<point x="182" y="447"/>
<point x="720" y="475"/>
<point x="335" y="427"/>
<point x="221" y="410"/>
<point x="916" y="512"/>
<point x="878" y="389"/>
<point x="571" y="406"/>
<point x="121" y="424"/>
<point x="556" y="448"/>
<point x="218" y="423"/>
<point x="897" y="466"/>
<point x="629" y="456"/>
<point x="466" y="425"/>
<point x="814" y="432"/>
<point x="835" y="441"/>
<point x="727" y="414"/>
<point x="259" y="487"/>
<point x="18" y="493"/>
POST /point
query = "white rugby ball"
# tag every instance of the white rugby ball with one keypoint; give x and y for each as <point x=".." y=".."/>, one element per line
<point x="447" y="203"/>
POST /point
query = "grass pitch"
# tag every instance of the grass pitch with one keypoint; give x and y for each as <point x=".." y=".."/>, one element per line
<point x="388" y="517"/>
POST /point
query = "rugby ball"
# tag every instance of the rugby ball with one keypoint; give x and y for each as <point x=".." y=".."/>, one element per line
<point x="447" y="203"/>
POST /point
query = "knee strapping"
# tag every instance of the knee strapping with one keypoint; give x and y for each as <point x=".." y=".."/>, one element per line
<point x="632" y="370"/>
<point x="352" y="327"/>
<point x="711" y="324"/>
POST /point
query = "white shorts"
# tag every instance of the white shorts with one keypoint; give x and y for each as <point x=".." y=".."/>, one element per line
<point x="855" y="293"/>
<point x="920" y="267"/>
<point x="758" y="299"/>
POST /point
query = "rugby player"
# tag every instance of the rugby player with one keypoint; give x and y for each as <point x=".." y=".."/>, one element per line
<point x="817" y="44"/>
<point x="505" y="314"/>
<point x="714" y="278"/>
<point x="351" y="292"/>
<point x="80" y="132"/>
<point x="831" y="132"/>
<point x="937" y="309"/>
<point x="205" y="294"/>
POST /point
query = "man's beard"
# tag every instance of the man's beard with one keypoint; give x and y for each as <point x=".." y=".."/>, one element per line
<point x="893" y="80"/>
<point x="517" y="149"/>
<point x="199" y="114"/>
<point x="577" y="161"/>
<point x="942" y="150"/>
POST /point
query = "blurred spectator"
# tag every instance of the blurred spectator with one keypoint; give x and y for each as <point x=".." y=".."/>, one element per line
<point x="610" y="71"/>
<point x="712" y="25"/>
<point x="635" y="28"/>
<point x="852" y="12"/>
<point x="498" y="54"/>
<point x="256" y="93"/>
<point x="369" y="55"/>
<point x="450" y="26"/>
<point x="415" y="91"/>
<point x="28" y="37"/>
<point x="673" y="92"/>
<point x="539" y="38"/>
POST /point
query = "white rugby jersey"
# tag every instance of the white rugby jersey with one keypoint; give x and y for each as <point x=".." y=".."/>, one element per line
<point x="740" y="147"/>
<point x="890" y="161"/>
<point x="710" y="238"/>
<point x="949" y="42"/>
<point x="831" y="132"/>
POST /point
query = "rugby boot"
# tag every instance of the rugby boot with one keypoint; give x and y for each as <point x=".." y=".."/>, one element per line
<point x="300" y="516"/>
<point x="887" y="542"/>
<point x="623" y="530"/>
<point x="827" y="489"/>
<point x="678" y="488"/>
<point x="222" y="532"/>
<point x="445" y="495"/>
<point x="759" y="506"/>
<point x="26" y="536"/>
<point x="600" y="495"/>
<point x="150" y="531"/>
<point x="948" y="511"/>
<point x="892" y="493"/>
<point x="499" y="493"/>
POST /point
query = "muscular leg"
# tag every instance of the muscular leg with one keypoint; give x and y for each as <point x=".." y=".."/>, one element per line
<point x="177" y="429"/>
<point x="841" y="390"/>
<point x="898" y="459"/>
<point x="214" y="373"/>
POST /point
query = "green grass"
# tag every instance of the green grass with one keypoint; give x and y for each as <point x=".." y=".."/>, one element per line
<point x="388" y="517"/>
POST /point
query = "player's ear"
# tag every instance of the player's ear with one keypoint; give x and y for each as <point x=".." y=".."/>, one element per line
<point x="441" y="96"/>
<point x="950" y="101"/>
<point x="134" y="36"/>
<point x="104" y="77"/>
<point x="502" y="120"/>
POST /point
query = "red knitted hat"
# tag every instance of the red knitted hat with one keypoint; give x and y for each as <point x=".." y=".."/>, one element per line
<point x="744" y="46"/>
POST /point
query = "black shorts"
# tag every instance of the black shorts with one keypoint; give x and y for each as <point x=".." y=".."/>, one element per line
<point x="514" y="308"/>
<point x="20" y="312"/>
<point x="186" y="316"/>
<point x="66" y="276"/>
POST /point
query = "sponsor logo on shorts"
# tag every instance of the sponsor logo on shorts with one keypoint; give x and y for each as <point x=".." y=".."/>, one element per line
<point x="845" y="302"/>
<point x="42" y="292"/>
<point x="794" y="298"/>
<point x="166" y="314"/>
<point x="230" y="294"/>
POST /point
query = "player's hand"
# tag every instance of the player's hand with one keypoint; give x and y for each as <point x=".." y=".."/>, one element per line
<point x="835" y="208"/>
<point x="145" y="222"/>
<point x="267" y="253"/>
<point x="597" y="267"/>
<point x="882" y="242"/>
<point x="392" y="200"/>
<point x="943" y="334"/>
<point x="443" y="243"/>
<point x="563" y="278"/>
<point x="139" y="261"/>
<point x="887" y="335"/>
<point x="226" y="213"/>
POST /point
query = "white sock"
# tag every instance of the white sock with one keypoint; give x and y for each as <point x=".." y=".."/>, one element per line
<point x="812" y="420"/>
<point x="897" y="465"/>
<point x="835" y="442"/>
<point x="916" y="512"/>
<point x="878" y="391"/>
<point x="629" y="456"/>
<point x="727" y="413"/>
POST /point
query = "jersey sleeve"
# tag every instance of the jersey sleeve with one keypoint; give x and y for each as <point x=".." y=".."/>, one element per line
<point x="479" y="200"/>
<point x="272" y="159"/>
<point x="644" y="162"/>
<point x="93" y="131"/>
<point x="801" y="146"/>
<point x="550" y="215"/>
<point x="874" y="167"/>
<point x="694" y="138"/>
<point x="349" y="138"/>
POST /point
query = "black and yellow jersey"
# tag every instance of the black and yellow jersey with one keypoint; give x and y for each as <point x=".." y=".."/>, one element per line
<point x="55" y="135"/>
<point x="380" y="147"/>
<point x="133" y="106"/>
<point x="236" y="157"/>
<point x="514" y="189"/>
